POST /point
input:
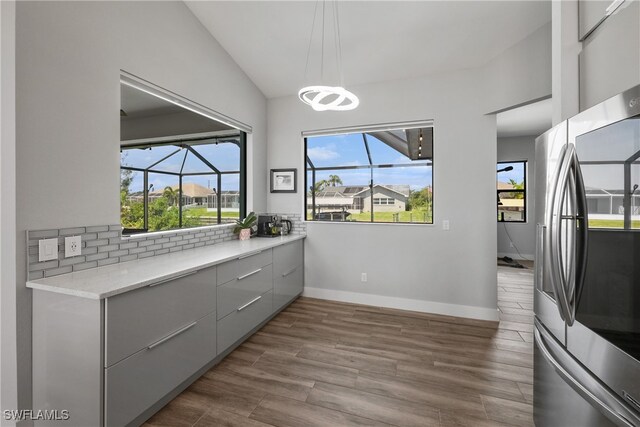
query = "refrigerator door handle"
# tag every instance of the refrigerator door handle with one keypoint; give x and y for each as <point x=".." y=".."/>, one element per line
<point x="583" y="232"/>
<point x="539" y="264"/>
<point x="582" y="381"/>
<point x="570" y="281"/>
<point x="577" y="252"/>
<point x="553" y="239"/>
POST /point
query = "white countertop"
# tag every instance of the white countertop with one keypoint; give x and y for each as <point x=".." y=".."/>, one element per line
<point x="114" y="279"/>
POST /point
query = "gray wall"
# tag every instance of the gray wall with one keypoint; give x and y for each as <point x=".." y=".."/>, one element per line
<point x="520" y="74"/>
<point x="419" y="267"/>
<point x="68" y="59"/>
<point x="447" y="271"/>
<point x="8" y="370"/>
<point x="565" y="49"/>
<point x="522" y="234"/>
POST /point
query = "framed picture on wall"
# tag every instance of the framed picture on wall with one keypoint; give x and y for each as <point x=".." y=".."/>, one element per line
<point x="283" y="180"/>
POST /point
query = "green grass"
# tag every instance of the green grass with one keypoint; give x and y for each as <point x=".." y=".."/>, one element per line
<point x="204" y="212"/>
<point x="404" y="216"/>
<point x="611" y="223"/>
<point x="416" y="216"/>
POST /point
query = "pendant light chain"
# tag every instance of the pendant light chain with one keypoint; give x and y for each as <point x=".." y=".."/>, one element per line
<point x="338" y="43"/>
<point x="324" y="98"/>
<point x="324" y="2"/>
<point x="313" y="26"/>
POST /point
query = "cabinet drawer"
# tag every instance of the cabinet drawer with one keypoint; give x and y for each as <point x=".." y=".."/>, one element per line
<point x="237" y="324"/>
<point x="287" y="256"/>
<point x="287" y="286"/>
<point x="240" y="291"/>
<point x="610" y="57"/>
<point x="243" y="265"/>
<point x="591" y="13"/>
<point x="138" y="318"/>
<point x="135" y="384"/>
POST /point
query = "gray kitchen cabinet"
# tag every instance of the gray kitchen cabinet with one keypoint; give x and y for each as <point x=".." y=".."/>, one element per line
<point x="67" y="354"/>
<point x="590" y="14"/>
<point x="115" y="360"/>
<point x="156" y="311"/>
<point x="136" y="383"/>
<point x="245" y="300"/>
<point x="610" y="57"/>
<point x="149" y="341"/>
<point x="288" y="273"/>
<point x="243" y="265"/>
<point x="243" y="320"/>
<point x="243" y="289"/>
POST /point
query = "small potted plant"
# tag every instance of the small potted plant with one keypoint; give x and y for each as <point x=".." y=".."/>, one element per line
<point x="244" y="227"/>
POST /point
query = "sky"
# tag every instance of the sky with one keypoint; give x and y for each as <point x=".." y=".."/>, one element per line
<point x="224" y="156"/>
<point x="349" y="150"/>
<point x="325" y="151"/>
<point x="517" y="174"/>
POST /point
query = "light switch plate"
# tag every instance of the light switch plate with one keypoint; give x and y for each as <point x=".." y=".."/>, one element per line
<point x="445" y="224"/>
<point x="47" y="249"/>
<point x="72" y="246"/>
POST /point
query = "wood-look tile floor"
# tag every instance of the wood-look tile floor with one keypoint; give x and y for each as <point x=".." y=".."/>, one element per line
<point x="323" y="363"/>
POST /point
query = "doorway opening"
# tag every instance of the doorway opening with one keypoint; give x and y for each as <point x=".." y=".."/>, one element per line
<point x="517" y="130"/>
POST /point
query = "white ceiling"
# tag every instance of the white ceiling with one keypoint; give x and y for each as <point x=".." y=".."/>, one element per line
<point x="381" y="40"/>
<point x="531" y="119"/>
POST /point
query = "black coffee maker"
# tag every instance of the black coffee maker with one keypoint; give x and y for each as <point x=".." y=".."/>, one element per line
<point x="268" y="225"/>
<point x="273" y="226"/>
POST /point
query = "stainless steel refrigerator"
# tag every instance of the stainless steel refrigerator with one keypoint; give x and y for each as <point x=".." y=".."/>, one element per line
<point x="587" y="269"/>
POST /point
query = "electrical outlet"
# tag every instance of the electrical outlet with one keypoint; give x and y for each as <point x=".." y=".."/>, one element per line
<point x="363" y="277"/>
<point x="445" y="224"/>
<point x="47" y="249"/>
<point x="72" y="246"/>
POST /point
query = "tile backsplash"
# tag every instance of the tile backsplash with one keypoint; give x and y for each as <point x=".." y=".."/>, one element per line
<point x="104" y="245"/>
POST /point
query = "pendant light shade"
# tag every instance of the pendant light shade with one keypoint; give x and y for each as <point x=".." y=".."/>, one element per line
<point x="323" y="97"/>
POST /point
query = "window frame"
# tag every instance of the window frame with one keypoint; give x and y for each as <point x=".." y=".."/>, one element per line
<point x="182" y="143"/>
<point x="524" y="192"/>
<point x="363" y="130"/>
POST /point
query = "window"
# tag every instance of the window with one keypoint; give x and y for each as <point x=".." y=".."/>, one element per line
<point x="371" y="175"/>
<point x="383" y="201"/>
<point x="512" y="191"/>
<point x="182" y="184"/>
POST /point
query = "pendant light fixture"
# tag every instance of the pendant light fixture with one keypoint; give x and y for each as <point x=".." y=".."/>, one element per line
<point x="321" y="97"/>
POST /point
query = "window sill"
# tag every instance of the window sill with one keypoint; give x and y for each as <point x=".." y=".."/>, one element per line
<point x="175" y="231"/>
<point x="395" y="224"/>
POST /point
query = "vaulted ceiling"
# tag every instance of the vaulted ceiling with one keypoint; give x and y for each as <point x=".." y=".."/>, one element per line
<point x="381" y="40"/>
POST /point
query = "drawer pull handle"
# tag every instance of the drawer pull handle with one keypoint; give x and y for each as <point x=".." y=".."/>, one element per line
<point x="249" y="255"/>
<point x="168" y="337"/>
<point x="172" y="278"/>
<point x="249" y="303"/>
<point x="613" y="6"/>
<point x="289" y="272"/>
<point x="250" y="274"/>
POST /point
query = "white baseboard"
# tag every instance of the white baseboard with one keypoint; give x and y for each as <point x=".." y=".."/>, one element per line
<point x="457" y="310"/>
<point x="524" y="257"/>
